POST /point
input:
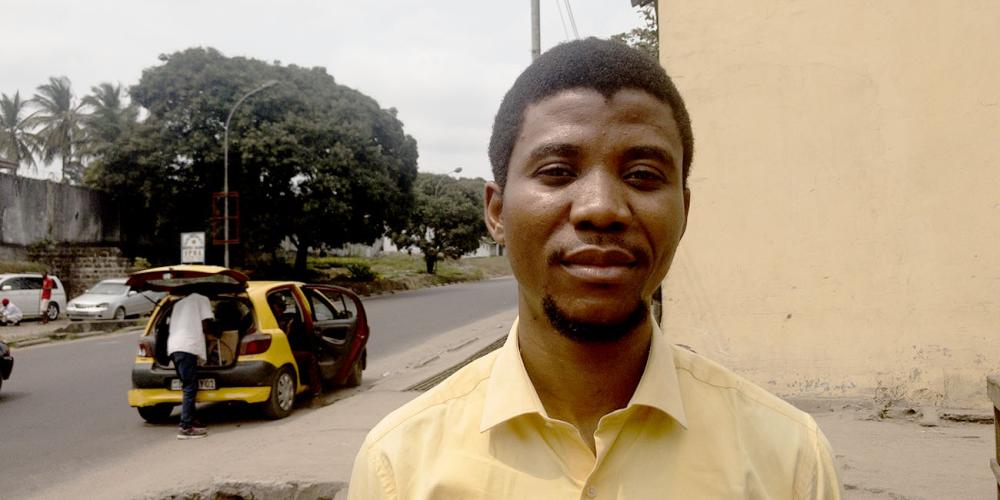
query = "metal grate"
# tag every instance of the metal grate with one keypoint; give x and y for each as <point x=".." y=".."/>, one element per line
<point x="436" y="379"/>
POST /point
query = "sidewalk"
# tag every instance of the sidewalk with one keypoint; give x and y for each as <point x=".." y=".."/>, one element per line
<point x="34" y="332"/>
<point x="30" y="329"/>
<point x="310" y="454"/>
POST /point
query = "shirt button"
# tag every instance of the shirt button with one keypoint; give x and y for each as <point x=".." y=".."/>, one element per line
<point x="591" y="492"/>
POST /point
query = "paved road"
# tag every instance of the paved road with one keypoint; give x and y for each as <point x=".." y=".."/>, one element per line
<point x="400" y="321"/>
<point x="65" y="404"/>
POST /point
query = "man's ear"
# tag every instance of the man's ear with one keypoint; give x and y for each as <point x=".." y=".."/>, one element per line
<point x="493" y="211"/>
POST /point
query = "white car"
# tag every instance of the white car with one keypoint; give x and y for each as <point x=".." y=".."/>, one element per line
<point x="112" y="299"/>
<point x="25" y="291"/>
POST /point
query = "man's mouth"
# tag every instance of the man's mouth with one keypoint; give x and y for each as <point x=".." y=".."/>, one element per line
<point x="599" y="265"/>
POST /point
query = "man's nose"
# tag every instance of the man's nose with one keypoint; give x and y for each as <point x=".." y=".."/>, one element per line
<point x="601" y="202"/>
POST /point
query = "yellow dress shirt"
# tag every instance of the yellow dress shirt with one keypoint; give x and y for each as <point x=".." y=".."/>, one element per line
<point x="692" y="430"/>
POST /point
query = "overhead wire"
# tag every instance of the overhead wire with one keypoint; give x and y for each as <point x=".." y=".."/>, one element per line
<point x="562" y="20"/>
<point x="572" y="21"/>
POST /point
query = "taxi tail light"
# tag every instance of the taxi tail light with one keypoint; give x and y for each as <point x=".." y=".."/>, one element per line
<point x="255" y="344"/>
<point x="146" y="349"/>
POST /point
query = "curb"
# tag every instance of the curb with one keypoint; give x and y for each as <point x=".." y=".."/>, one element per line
<point x="75" y="331"/>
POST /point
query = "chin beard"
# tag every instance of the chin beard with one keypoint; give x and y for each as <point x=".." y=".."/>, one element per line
<point x="588" y="332"/>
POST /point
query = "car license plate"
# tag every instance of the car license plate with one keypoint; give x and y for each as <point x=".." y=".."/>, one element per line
<point x="204" y="384"/>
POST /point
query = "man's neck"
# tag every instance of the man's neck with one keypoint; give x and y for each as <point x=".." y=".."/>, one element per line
<point x="581" y="382"/>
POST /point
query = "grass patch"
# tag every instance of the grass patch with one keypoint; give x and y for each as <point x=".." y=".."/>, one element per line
<point x="17" y="266"/>
<point x="399" y="271"/>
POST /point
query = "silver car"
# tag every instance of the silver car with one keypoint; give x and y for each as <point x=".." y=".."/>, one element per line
<point x="25" y="291"/>
<point x="112" y="299"/>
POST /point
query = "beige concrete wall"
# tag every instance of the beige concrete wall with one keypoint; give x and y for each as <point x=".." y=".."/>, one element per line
<point x="845" y="223"/>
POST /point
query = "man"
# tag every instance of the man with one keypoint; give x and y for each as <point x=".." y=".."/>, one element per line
<point x="10" y="314"/>
<point x="590" y="150"/>
<point x="190" y="321"/>
<point x="47" y="285"/>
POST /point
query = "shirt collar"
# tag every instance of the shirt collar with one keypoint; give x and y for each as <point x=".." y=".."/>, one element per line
<point x="510" y="394"/>
<point x="658" y="388"/>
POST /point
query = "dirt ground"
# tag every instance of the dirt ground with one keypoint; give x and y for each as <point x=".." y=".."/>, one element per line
<point x="898" y="458"/>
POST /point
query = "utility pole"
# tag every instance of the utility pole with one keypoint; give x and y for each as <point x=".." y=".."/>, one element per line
<point x="536" y="37"/>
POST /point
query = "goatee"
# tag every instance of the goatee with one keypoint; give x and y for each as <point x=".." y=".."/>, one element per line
<point x="589" y="332"/>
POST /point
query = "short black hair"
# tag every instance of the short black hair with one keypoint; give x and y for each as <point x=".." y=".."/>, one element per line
<point x="592" y="63"/>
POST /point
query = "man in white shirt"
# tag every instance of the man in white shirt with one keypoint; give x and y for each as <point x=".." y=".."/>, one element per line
<point x="190" y="321"/>
<point x="10" y="314"/>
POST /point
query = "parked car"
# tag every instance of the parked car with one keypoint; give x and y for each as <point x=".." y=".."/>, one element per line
<point x="25" y="291"/>
<point x="112" y="298"/>
<point x="6" y="363"/>
<point x="251" y="359"/>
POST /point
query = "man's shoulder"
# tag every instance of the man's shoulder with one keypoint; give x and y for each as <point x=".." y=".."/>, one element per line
<point x="702" y="378"/>
<point x="197" y="297"/>
<point x="430" y="410"/>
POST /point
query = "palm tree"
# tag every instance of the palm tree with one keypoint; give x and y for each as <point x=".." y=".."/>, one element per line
<point x="109" y="118"/>
<point x="60" y="120"/>
<point x="17" y="143"/>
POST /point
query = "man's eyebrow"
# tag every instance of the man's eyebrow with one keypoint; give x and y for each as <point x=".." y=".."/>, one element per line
<point x="648" y="153"/>
<point x="555" y="149"/>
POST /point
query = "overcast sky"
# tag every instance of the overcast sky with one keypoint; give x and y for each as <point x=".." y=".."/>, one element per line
<point x="444" y="64"/>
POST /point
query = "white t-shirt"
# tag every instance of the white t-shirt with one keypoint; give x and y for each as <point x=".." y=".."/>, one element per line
<point x="186" y="334"/>
<point x="11" y="313"/>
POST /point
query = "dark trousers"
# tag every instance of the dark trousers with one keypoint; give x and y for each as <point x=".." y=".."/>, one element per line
<point x="187" y="370"/>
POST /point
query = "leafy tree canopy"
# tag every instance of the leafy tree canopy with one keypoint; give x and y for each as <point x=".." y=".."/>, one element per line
<point x="447" y="218"/>
<point x="60" y="126"/>
<point x="645" y="38"/>
<point x="314" y="161"/>
<point x="17" y="143"/>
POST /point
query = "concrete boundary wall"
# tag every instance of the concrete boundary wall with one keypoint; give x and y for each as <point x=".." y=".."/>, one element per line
<point x="80" y="267"/>
<point x="32" y="211"/>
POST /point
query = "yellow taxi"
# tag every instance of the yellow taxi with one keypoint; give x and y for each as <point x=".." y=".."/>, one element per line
<point x="260" y="330"/>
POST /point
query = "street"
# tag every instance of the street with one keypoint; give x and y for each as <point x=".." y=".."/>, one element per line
<point x="64" y="408"/>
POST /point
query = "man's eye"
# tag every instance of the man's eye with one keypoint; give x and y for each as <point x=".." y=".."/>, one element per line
<point x="644" y="176"/>
<point x="556" y="172"/>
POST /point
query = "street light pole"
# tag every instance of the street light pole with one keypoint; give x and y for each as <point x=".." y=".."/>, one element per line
<point x="225" y="167"/>
<point x="437" y="185"/>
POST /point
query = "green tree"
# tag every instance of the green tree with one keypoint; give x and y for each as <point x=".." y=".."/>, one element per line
<point x="110" y="118"/>
<point x="60" y="121"/>
<point x="315" y="162"/>
<point x="645" y="38"/>
<point x="447" y="218"/>
<point x="16" y="140"/>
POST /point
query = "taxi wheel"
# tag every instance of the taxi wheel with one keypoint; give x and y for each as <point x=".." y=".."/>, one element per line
<point x="279" y="404"/>
<point x="156" y="414"/>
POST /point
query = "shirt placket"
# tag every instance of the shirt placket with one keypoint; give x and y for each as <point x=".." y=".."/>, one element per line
<point x="581" y="464"/>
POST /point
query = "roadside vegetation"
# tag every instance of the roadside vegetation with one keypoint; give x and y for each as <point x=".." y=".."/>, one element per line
<point x="364" y="275"/>
<point x="389" y="272"/>
<point x="16" y="266"/>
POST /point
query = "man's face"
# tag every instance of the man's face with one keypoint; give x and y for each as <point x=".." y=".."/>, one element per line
<point x="594" y="205"/>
